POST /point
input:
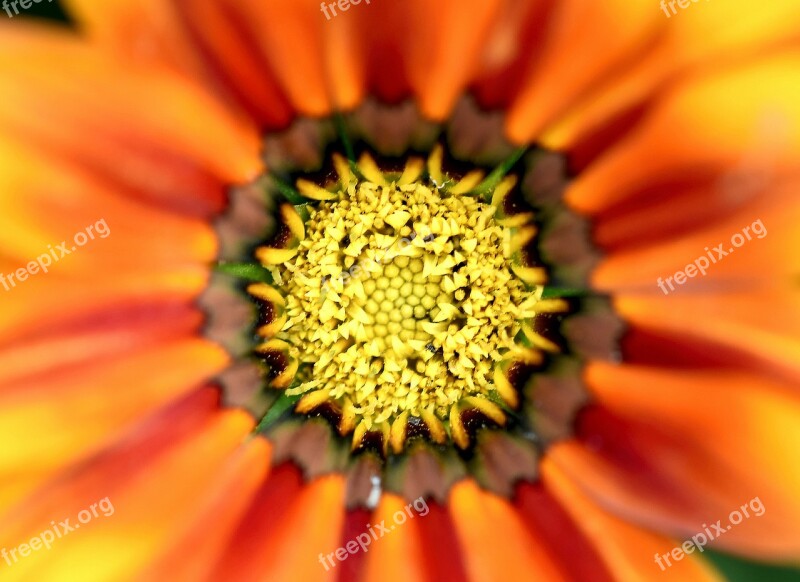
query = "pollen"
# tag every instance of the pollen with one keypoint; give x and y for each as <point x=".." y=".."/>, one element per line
<point x="399" y="302"/>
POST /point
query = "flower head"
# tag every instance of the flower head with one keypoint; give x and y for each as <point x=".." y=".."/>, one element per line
<point x="401" y="304"/>
<point x="475" y="291"/>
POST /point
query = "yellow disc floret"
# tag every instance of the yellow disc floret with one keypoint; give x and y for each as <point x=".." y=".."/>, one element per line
<point x="400" y="302"/>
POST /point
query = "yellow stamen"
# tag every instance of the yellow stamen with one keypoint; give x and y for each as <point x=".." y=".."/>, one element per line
<point x="400" y="303"/>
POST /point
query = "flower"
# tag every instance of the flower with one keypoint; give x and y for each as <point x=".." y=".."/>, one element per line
<point x="654" y="393"/>
<point x="422" y="343"/>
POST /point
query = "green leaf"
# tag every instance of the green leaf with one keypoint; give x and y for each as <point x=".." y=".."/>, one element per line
<point x="247" y="271"/>
<point x="345" y="139"/>
<point x="302" y="211"/>
<point x="556" y="292"/>
<point x="287" y="191"/>
<point x="738" y="569"/>
<point x="496" y="176"/>
<point x="278" y="409"/>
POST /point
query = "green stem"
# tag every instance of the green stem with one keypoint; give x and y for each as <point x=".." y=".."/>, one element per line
<point x="247" y="271"/>
<point x="556" y="292"/>
<point x="302" y="211"/>
<point x="278" y="408"/>
<point x="494" y="178"/>
<point x="338" y="120"/>
<point x="288" y="192"/>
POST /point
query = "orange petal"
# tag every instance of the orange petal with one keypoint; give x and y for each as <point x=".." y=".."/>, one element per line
<point x="316" y="62"/>
<point x="148" y="31"/>
<point x="573" y="551"/>
<point x="497" y="545"/>
<point x="716" y="133"/>
<point x="584" y="44"/>
<point x="763" y="323"/>
<point x="206" y="535"/>
<point x="670" y="210"/>
<point x="383" y="30"/>
<point x="408" y="47"/>
<point x="444" y="47"/>
<point x="146" y="513"/>
<point x="58" y="419"/>
<point x="737" y="248"/>
<point x="514" y="41"/>
<point x="296" y="527"/>
<point x="102" y="336"/>
<point x="87" y="228"/>
<point x="180" y="154"/>
<point x="290" y="37"/>
<point x="242" y="559"/>
<point x="395" y="556"/>
<point x="345" y="52"/>
<point x="709" y="38"/>
<point x="628" y="551"/>
<point x="312" y="527"/>
<point x="209" y="42"/>
<point x="692" y="449"/>
<point x="94" y="253"/>
<point x="650" y="346"/>
<point x="51" y="304"/>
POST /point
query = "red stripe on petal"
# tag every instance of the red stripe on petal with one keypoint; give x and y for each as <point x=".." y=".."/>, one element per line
<point x="629" y="447"/>
<point x="508" y="61"/>
<point x="270" y="506"/>
<point x="93" y="338"/>
<point x="660" y="348"/>
<point x="441" y="547"/>
<point x="222" y="37"/>
<point x="549" y="522"/>
<point x="355" y="523"/>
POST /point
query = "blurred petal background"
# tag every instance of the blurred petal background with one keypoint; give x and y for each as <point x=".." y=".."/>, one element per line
<point x="666" y="135"/>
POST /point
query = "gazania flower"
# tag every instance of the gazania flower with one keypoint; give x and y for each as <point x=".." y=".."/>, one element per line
<point x="399" y="290"/>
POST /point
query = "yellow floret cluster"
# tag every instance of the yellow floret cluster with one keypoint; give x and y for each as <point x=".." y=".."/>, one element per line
<point x="401" y="299"/>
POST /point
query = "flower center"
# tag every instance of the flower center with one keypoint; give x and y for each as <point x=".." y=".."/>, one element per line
<point x="399" y="302"/>
<point x="435" y="313"/>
